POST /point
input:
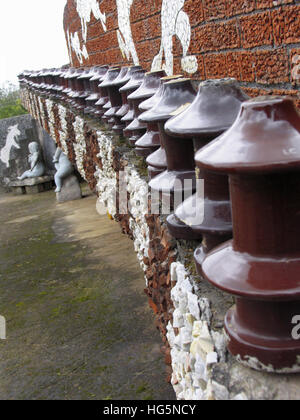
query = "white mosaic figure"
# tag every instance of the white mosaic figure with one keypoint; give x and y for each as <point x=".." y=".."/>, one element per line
<point x="81" y="52"/>
<point x="85" y="8"/>
<point x="11" y="141"/>
<point x="37" y="167"/>
<point x="124" y="33"/>
<point x="63" y="168"/>
<point x="174" y="21"/>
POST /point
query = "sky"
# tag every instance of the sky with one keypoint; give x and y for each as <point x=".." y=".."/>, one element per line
<point x="31" y="36"/>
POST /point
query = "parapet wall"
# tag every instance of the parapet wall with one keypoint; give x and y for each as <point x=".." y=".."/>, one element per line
<point x="189" y="311"/>
<point x="255" y="41"/>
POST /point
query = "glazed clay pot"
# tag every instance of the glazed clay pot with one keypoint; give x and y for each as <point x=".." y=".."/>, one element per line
<point x="79" y="95"/>
<point x="57" y="83"/>
<point x="99" y="74"/>
<point x="67" y="89"/>
<point x="158" y="154"/>
<point x="103" y="100"/>
<point x="123" y="78"/>
<point x="213" y="111"/>
<point x="147" y="89"/>
<point x="179" y="152"/>
<point x="261" y="154"/>
<point x="113" y="104"/>
<point x="132" y="85"/>
<point x="125" y="106"/>
<point x="72" y="91"/>
<point x="90" y="88"/>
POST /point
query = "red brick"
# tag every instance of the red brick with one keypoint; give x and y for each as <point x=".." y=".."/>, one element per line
<point x="201" y="70"/>
<point x="247" y="66"/>
<point x="286" y="23"/>
<point x="232" y="65"/>
<point x="234" y="7"/>
<point x="144" y="8"/>
<point x="267" y="4"/>
<point x="214" y="9"/>
<point x="215" y="65"/>
<point x="254" y="92"/>
<point x="256" y="30"/>
<point x="215" y="36"/>
<point x="139" y="31"/>
<point x="195" y="14"/>
<point x="108" y="6"/>
<point x="272" y="66"/>
<point x="95" y="30"/>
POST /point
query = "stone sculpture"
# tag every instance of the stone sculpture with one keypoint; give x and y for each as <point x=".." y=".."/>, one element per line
<point x="37" y="166"/>
<point x="63" y="168"/>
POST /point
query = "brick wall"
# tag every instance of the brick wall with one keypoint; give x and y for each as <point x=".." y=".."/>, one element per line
<point x="255" y="41"/>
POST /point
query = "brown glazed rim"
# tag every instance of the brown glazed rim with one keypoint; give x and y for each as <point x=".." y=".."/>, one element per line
<point x="133" y="82"/>
<point x="142" y="93"/>
<point x="200" y="119"/>
<point x="226" y="256"/>
<point x="252" y="146"/>
<point x="159" y="113"/>
<point x="108" y="83"/>
<point x="126" y="77"/>
<point x="154" y="97"/>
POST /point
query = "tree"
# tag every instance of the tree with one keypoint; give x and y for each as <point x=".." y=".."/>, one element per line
<point x="10" y="102"/>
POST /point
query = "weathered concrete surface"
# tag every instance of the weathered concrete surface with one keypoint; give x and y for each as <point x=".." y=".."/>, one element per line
<point x="78" y="326"/>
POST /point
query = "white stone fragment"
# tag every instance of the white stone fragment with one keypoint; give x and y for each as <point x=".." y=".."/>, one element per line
<point x="211" y="359"/>
<point x="193" y="305"/>
<point x="220" y="392"/>
<point x="178" y="320"/>
<point x="240" y="397"/>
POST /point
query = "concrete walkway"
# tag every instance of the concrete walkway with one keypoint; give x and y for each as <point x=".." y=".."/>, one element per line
<point x="71" y="290"/>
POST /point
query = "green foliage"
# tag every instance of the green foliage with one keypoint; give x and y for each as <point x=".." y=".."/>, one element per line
<point x="10" y="103"/>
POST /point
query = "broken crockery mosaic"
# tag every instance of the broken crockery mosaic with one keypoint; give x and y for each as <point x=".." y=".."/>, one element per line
<point x="213" y="111"/>
<point x="178" y="152"/>
<point x="261" y="154"/>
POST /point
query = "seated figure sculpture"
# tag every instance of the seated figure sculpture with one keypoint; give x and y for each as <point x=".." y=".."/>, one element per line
<point x="63" y="168"/>
<point x="37" y="166"/>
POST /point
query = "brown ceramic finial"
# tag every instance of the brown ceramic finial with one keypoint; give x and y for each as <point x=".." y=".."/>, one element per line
<point x="151" y="141"/>
<point x="213" y="111"/>
<point x="146" y="90"/>
<point x="98" y="74"/>
<point x="179" y="152"/>
<point x="261" y="154"/>
<point x="125" y="106"/>
<point x="131" y="86"/>
<point x="115" y="100"/>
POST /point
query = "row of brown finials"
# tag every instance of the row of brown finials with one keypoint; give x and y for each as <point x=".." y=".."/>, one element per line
<point x="247" y="153"/>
